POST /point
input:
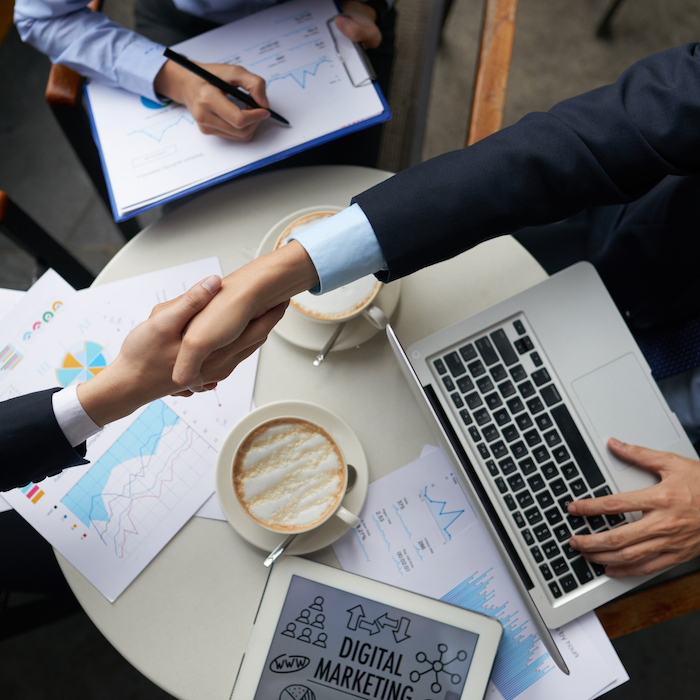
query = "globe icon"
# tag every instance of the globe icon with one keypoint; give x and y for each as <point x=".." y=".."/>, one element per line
<point x="297" y="692"/>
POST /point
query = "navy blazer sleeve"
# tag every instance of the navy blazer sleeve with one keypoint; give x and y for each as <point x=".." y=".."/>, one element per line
<point x="608" y="146"/>
<point x="32" y="444"/>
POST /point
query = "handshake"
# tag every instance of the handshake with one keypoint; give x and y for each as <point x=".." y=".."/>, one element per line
<point x="192" y="342"/>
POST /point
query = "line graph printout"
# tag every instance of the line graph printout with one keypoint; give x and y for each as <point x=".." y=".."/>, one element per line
<point x="154" y="151"/>
<point x="467" y="571"/>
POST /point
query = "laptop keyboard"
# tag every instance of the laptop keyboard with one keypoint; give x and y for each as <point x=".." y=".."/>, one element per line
<point x="508" y="403"/>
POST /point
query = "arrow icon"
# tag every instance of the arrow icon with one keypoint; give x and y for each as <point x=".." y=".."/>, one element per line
<point x="401" y="634"/>
<point x="386" y="621"/>
<point x="373" y="627"/>
<point x="356" y="614"/>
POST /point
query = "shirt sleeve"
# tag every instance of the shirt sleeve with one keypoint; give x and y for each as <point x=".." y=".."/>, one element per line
<point x="76" y="425"/>
<point x="90" y="44"/>
<point x="343" y="248"/>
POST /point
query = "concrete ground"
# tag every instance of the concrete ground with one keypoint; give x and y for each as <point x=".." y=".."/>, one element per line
<point x="556" y="56"/>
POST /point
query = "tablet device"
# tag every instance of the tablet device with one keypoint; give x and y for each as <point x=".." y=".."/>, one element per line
<point x="324" y="634"/>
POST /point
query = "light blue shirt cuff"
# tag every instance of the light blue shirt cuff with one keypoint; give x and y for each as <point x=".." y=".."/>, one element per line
<point x="343" y="248"/>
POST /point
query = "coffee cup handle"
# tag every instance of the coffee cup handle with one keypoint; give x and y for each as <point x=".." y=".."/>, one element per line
<point x="347" y="517"/>
<point x="376" y="316"/>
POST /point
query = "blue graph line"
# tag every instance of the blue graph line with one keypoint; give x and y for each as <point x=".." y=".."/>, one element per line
<point x="398" y="565"/>
<point x="299" y="74"/>
<point x="516" y="667"/>
<point x="157" y="131"/>
<point x="362" y="544"/>
<point x="442" y="514"/>
<point x="417" y="548"/>
<point x="379" y="527"/>
<point x="398" y="515"/>
<point x="306" y="43"/>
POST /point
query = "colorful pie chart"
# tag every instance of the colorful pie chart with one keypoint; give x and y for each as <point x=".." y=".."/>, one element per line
<point x="81" y="363"/>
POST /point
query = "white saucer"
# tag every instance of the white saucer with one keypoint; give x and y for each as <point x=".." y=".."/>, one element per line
<point x="298" y="329"/>
<point x="323" y="535"/>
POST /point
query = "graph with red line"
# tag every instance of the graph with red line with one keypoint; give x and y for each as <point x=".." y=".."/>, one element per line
<point x="133" y="487"/>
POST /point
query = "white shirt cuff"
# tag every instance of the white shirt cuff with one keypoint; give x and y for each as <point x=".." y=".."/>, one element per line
<point x="343" y="248"/>
<point x="76" y="425"/>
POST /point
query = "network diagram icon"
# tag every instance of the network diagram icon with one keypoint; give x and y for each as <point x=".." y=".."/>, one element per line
<point x="438" y="666"/>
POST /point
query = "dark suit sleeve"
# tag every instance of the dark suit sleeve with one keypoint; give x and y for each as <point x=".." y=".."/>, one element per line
<point x="608" y="146"/>
<point x="32" y="444"/>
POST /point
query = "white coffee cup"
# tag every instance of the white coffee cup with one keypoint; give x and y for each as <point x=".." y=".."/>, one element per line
<point x="290" y="476"/>
<point x="342" y="304"/>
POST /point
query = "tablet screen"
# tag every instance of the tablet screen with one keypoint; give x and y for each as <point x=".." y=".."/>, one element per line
<point x="330" y="644"/>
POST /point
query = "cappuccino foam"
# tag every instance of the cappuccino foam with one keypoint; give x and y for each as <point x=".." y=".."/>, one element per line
<point x="340" y="303"/>
<point x="289" y="475"/>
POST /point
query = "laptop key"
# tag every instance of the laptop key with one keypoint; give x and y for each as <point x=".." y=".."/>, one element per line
<point x="457" y="400"/>
<point x="491" y="466"/>
<point x="449" y="384"/>
<point x="568" y="551"/>
<point x="518" y="449"/>
<point x="554" y="516"/>
<point x="507" y="466"/>
<point x="498" y="373"/>
<point x="533" y="516"/>
<point x="578" y="447"/>
<point x="475" y="434"/>
<point x="536" y="554"/>
<point x="527" y="466"/>
<point x="515" y="405"/>
<point x="536" y="482"/>
<point x="526" y="389"/>
<point x="535" y="405"/>
<point x="464" y="415"/>
<point x="564" y="502"/>
<point x="578" y="488"/>
<point x="467" y="352"/>
<point x="476" y="368"/>
<point x="524" y="421"/>
<point x="465" y="384"/>
<point x="501" y="485"/>
<point x="527" y="536"/>
<point x="541" y="532"/>
<point x="473" y="400"/>
<point x="524" y="344"/>
<point x="516" y="483"/>
<point x="519" y="328"/>
<point x="485" y="384"/>
<point x="575" y="521"/>
<point x="501" y="416"/>
<point x="519" y="520"/>
<point x="545" y="499"/>
<point x="583" y="573"/>
<point x="552" y="438"/>
<point x="483" y="345"/>
<point x="616" y="519"/>
<point x="605" y="491"/>
<point x="560" y="454"/>
<point x="490" y="432"/>
<point x="536" y="359"/>
<point x="595" y="522"/>
<point x="546" y="572"/>
<point x="568" y="583"/>
<point x="562" y="532"/>
<point x="569" y="471"/>
<point x="556" y="591"/>
<point x="481" y="416"/>
<point x="524" y="499"/>
<point x="598" y="569"/>
<point x="498" y="449"/>
<point x="532" y="437"/>
<point x="540" y="377"/>
<point x="454" y="364"/>
<point x="507" y="389"/>
<point x="558" y="487"/>
<point x="493" y="401"/>
<point x="510" y="502"/>
<point x="510" y="433"/>
<point x="559" y="566"/>
<point x="541" y="455"/>
<point x="543" y="421"/>
<point x="518" y="373"/>
<point x="483" y="450"/>
<point x="440" y="366"/>
<point x="550" y="549"/>
<point x="504" y="347"/>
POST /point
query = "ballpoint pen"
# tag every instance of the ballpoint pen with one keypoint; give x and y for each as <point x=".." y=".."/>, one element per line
<point x="221" y="84"/>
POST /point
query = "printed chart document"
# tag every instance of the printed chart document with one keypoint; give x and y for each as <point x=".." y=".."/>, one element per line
<point x="419" y="532"/>
<point x="152" y="153"/>
<point x="149" y="472"/>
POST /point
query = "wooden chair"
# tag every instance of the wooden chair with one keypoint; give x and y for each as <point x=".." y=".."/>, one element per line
<point x="678" y="591"/>
<point x="64" y="95"/>
<point x="28" y="235"/>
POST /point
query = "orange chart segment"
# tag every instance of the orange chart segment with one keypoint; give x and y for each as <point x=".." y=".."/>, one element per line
<point x="81" y="363"/>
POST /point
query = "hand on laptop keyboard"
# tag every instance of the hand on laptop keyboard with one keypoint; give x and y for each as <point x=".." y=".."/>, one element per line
<point x="668" y="533"/>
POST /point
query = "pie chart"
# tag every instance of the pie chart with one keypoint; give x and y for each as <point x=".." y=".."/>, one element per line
<point x="81" y="362"/>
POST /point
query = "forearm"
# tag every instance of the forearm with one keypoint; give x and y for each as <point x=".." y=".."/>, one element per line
<point x="607" y="146"/>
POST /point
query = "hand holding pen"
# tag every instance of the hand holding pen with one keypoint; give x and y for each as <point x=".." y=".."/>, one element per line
<point x="213" y="111"/>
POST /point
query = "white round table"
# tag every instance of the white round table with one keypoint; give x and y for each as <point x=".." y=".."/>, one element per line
<point x="185" y="621"/>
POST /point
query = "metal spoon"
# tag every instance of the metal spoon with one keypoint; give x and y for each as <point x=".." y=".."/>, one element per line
<point x="327" y="347"/>
<point x="352" y="478"/>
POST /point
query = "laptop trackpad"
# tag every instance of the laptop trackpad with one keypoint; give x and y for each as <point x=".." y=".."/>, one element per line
<point x="620" y="402"/>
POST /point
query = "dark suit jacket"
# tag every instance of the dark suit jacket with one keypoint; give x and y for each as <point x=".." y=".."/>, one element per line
<point x="610" y="146"/>
<point x="32" y="445"/>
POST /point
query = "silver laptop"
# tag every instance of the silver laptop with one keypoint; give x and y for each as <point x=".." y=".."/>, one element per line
<point x="523" y="397"/>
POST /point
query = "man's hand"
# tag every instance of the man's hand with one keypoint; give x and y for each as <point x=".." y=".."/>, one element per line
<point x="360" y="23"/>
<point x="213" y="111"/>
<point x="669" y="531"/>
<point x="246" y="299"/>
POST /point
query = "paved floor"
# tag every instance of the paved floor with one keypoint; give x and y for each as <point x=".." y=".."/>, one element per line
<point x="555" y="56"/>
